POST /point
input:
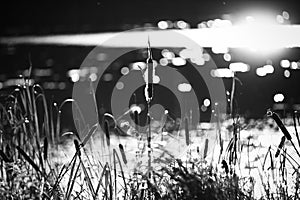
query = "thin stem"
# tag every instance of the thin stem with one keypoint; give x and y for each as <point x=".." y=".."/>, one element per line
<point x="232" y="96"/>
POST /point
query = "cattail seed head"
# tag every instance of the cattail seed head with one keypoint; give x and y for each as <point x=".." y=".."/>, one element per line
<point x="280" y="146"/>
<point x="280" y="124"/>
<point x="186" y="128"/>
<point x="77" y="147"/>
<point x="106" y="130"/>
<point x="205" y="148"/>
<point x="225" y="166"/>
<point x="123" y="153"/>
<point x="45" y="148"/>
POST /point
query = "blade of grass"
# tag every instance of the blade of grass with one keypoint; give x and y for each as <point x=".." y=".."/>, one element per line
<point x="295" y="127"/>
<point x="72" y="180"/>
<point x="29" y="160"/>
<point x="89" y="135"/>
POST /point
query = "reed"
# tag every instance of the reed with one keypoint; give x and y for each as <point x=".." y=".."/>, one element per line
<point x="29" y="167"/>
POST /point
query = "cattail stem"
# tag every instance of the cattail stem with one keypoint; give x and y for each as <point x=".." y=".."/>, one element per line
<point x="295" y="148"/>
<point x="232" y="96"/>
<point x="149" y="144"/>
<point x="295" y="126"/>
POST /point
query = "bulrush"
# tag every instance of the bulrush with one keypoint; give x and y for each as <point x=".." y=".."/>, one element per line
<point x="187" y="134"/>
<point x="280" y="146"/>
<point x="280" y="124"/>
<point x="123" y="153"/>
<point x="106" y="130"/>
<point x="45" y="148"/>
<point x="77" y="147"/>
<point x="205" y="148"/>
<point x="225" y="166"/>
<point x="136" y="119"/>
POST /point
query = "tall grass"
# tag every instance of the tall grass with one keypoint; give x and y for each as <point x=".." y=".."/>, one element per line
<point x="31" y="168"/>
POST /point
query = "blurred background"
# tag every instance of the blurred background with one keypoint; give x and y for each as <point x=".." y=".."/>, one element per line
<point x="269" y="79"/>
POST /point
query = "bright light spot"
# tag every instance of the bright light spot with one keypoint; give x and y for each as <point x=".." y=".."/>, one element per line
<point x="73" y="72"/>
<point x="285" y="15"/>
<point x="49" y="85"/>
<point x="219" y="49"/>
<point x="93" y="70"/>
<point x="1" y="85"/>
<point x="280" y="19"/>
<point x="43" y="72"/>
<point x="134" y="108"/>
<point x="75" y="78"/>
<point x="61" y="85"/>
<point x="184" y="53"/>
<point x="184" y="87"/>
<point x="107" y="77"/>
<point x="222" y="73"/>
<point x="285" y="64"/>
<point x="206" y="102"/>
<point x="199" y="61"/>
<point x="163" y="25"/>
<point x="264" y="36"/>
<point x="93" y="77"/>
<point x="294" y="65"/>
<point x="278" y="98"/>
<point x="239" y="67"/>
<point x="182" y="24"/>
<point x="138" y="66"/>
<point x="287" y="73"/>
<point x="168" y="54"/>
<point x="269" y="62"/>
<point x="206" y="57"/>
<point x="155" y="63"/>
<point x="156" y="79"/>
<point x="163" y="62"/>
<point x="101" y="56"/>
<point x="120" y="85"/>
<point x="49" y="62"/>
<point x="227" y="57"/>
<point x="164" y="51"/>
<point x="84" y="72"/>
<point x="190" y="53"/>
<point x="269" y="69"/>
<point x="210" y="23"/>
<point x="193" y="60"/>
<point x="202" y="25"/>
<point x="261" y="71"/>
<point x="124" y="70"/>
<point x="259" y="26"/>
<point x="260" y="19"/>
<point x="178" y="61"/>
<point x="220" y="23"/>
<point x="203" y="108"/>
